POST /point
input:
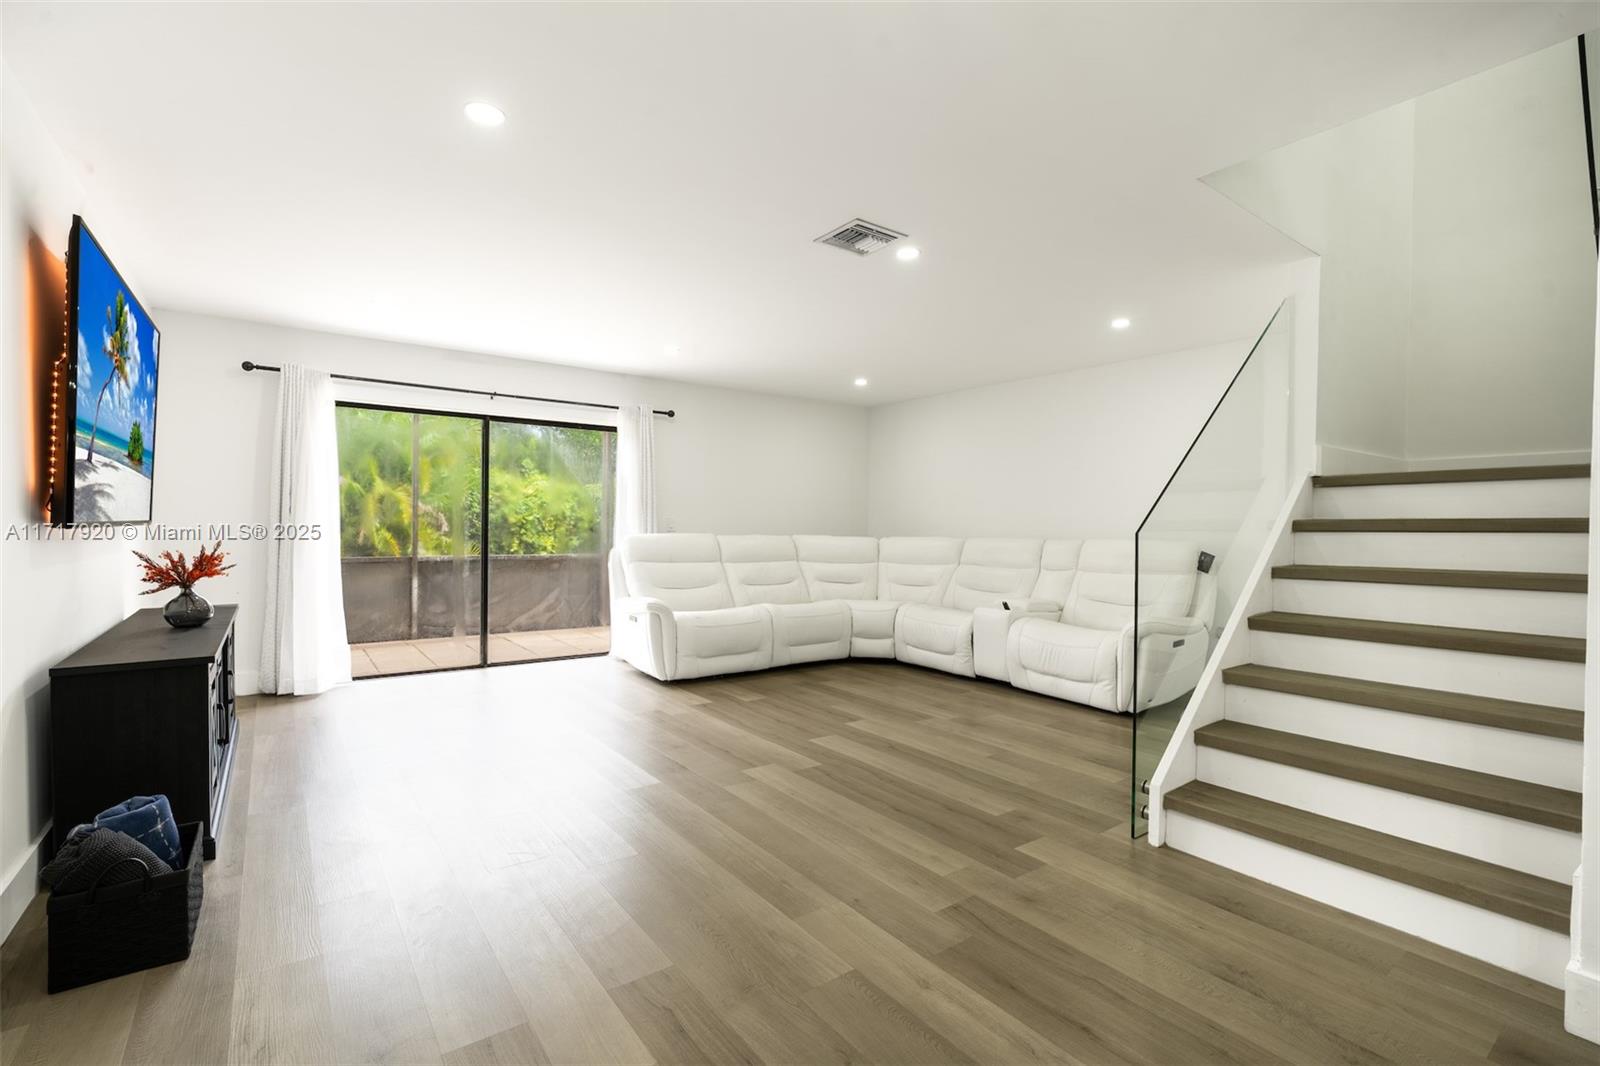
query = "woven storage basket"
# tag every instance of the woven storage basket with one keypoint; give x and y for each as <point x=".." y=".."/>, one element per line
<point x="117" y="929"/>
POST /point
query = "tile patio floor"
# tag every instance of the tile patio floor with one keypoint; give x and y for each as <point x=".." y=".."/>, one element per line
<point x="441" y="653"/>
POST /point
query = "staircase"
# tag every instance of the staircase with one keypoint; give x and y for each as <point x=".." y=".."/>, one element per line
<point x="1406" y="742"/>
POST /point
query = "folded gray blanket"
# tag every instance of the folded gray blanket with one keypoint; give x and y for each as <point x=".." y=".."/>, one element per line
<point x="91" y="854"/>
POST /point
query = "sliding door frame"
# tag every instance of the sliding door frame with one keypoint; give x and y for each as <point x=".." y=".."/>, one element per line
<point x="483" y="548"/>
<point x="484" y="421"/>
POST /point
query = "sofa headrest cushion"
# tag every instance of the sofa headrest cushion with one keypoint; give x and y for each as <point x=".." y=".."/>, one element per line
<point x="993" y="568"/>
<point x="682" y="570"/>
<point x="1102" y="595"/>
<point x="670" y="548"/>
<point x="916" y="569"/>
<point x="839" y="568"/>
<point x="1058" y="566"/>
<point x="762" y="569"/>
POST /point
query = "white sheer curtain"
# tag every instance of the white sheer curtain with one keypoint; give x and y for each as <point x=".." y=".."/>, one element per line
<point x="636" y="471"/>
<point x="303" y="644"/>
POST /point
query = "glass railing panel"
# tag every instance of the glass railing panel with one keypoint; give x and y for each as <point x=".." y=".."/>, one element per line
<point x="1195" y="548"/>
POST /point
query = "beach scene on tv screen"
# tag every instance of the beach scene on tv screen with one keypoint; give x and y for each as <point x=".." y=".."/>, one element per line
<point x="114" y="446"/>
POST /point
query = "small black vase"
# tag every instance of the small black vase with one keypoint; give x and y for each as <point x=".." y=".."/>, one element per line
<point x="187" y="610"/>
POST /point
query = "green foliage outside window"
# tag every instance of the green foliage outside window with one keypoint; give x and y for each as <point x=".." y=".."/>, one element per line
<point x="545" y="486"/>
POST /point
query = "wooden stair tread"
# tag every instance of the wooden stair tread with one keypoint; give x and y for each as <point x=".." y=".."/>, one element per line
<point x="1406" y="575"/>
<point x="1441" y="525"/>
<point x="1412" y="634"/>
<point x="1479" y="473"/>
<point x="1516" y="894"/>
<point x="1524" y="800"/>
<point x="1434" y="703"/>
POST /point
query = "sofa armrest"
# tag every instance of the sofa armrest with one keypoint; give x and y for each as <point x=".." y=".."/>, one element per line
<point x="992" y="625"/>
<point x="644" y="633"/>
<point x="1032" y="607"/>
<point x="1171" y="654"/>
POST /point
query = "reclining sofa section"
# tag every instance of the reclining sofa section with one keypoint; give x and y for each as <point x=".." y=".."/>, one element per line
<point x="1049" y="616"/>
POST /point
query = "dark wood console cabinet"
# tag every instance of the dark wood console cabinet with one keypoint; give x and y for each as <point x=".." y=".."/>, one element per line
<point x="145" y="708"/>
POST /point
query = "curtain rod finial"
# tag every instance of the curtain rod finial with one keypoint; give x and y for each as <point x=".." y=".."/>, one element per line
<point x="248" y="365"/>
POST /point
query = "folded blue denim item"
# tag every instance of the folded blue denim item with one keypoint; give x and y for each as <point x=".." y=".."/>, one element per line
<point x="147" y="819"/>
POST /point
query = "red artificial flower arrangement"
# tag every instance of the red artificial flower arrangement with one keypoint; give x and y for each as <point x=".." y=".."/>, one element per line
<point x="176" y="572"/>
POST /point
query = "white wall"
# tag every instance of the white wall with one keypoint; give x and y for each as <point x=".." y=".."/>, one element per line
<point x="1347" y="194"/>
<point x="1457" y="300"/>
<point x="59" y="593"/>
<point x="1503" y="271"/>
<point x="731" y="462"/>
<point x="1081" y="453"/>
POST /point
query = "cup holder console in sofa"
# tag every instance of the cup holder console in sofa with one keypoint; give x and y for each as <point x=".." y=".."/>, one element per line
<point x="1050" y="616"/>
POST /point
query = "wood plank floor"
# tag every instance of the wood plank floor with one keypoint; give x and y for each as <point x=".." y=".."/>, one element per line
<point x="854" y="862"/>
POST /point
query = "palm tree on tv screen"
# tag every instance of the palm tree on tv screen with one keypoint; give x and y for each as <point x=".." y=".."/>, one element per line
<point x="117" y="352"/>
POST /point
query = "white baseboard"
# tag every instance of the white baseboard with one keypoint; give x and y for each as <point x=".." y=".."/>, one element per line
<point x="1582" y="982"/>
<point x="1453" y="462"/>
<point x="1583" y="1003"/>
<point x="21" y="884"/>
<point x="1333" y="459"/>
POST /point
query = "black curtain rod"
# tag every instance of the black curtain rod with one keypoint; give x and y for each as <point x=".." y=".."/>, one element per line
<point x="248" y="365"/>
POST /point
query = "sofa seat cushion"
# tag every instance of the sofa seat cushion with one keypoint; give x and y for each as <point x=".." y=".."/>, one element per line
<point x="725" y="641"/>
<point x="991" y="626"/>
<point x="1066" y="661"/>
<point x="809" y="632"/>
<point x="872" y="628"/>
<point x="937" y="637"/>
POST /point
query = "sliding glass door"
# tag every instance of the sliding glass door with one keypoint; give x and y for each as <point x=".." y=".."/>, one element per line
<point x="549" y="532"/>
<point x="425" y="497"/>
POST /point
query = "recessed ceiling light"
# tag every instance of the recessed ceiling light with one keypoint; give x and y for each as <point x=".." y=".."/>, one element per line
<point x="907" y="253"/>
<point x="1121" y="323"/>
<point x="861" y="383"/>
<point x="480" y="113"/>
<point x="670" y="349"/>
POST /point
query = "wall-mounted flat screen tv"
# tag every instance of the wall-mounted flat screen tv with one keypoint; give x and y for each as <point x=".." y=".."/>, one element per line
<point x="113" y="353"/>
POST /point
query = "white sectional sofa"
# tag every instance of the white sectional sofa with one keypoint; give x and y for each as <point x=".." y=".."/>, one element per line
<point x="1050" y="616"/>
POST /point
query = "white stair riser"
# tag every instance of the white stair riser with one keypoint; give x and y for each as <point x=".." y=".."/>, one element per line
<point x="1566" y="553"/>
<point x="1558" y="614"/>
<point x="1509" y="677"/>
<point x="1530" y="950"/>
<point x="1536" y="849"/>
<point x="1550" y="498"/>
<point x="1503" y="752"/>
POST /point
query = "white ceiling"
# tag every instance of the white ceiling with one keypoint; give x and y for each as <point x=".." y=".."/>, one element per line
<point x="665" y="168"/>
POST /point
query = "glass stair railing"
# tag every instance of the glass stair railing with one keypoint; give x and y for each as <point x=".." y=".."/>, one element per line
<point x="1195" y="549"/>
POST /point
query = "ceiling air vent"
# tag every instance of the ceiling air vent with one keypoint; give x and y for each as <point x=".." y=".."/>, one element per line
<point x="860" y="236"/>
